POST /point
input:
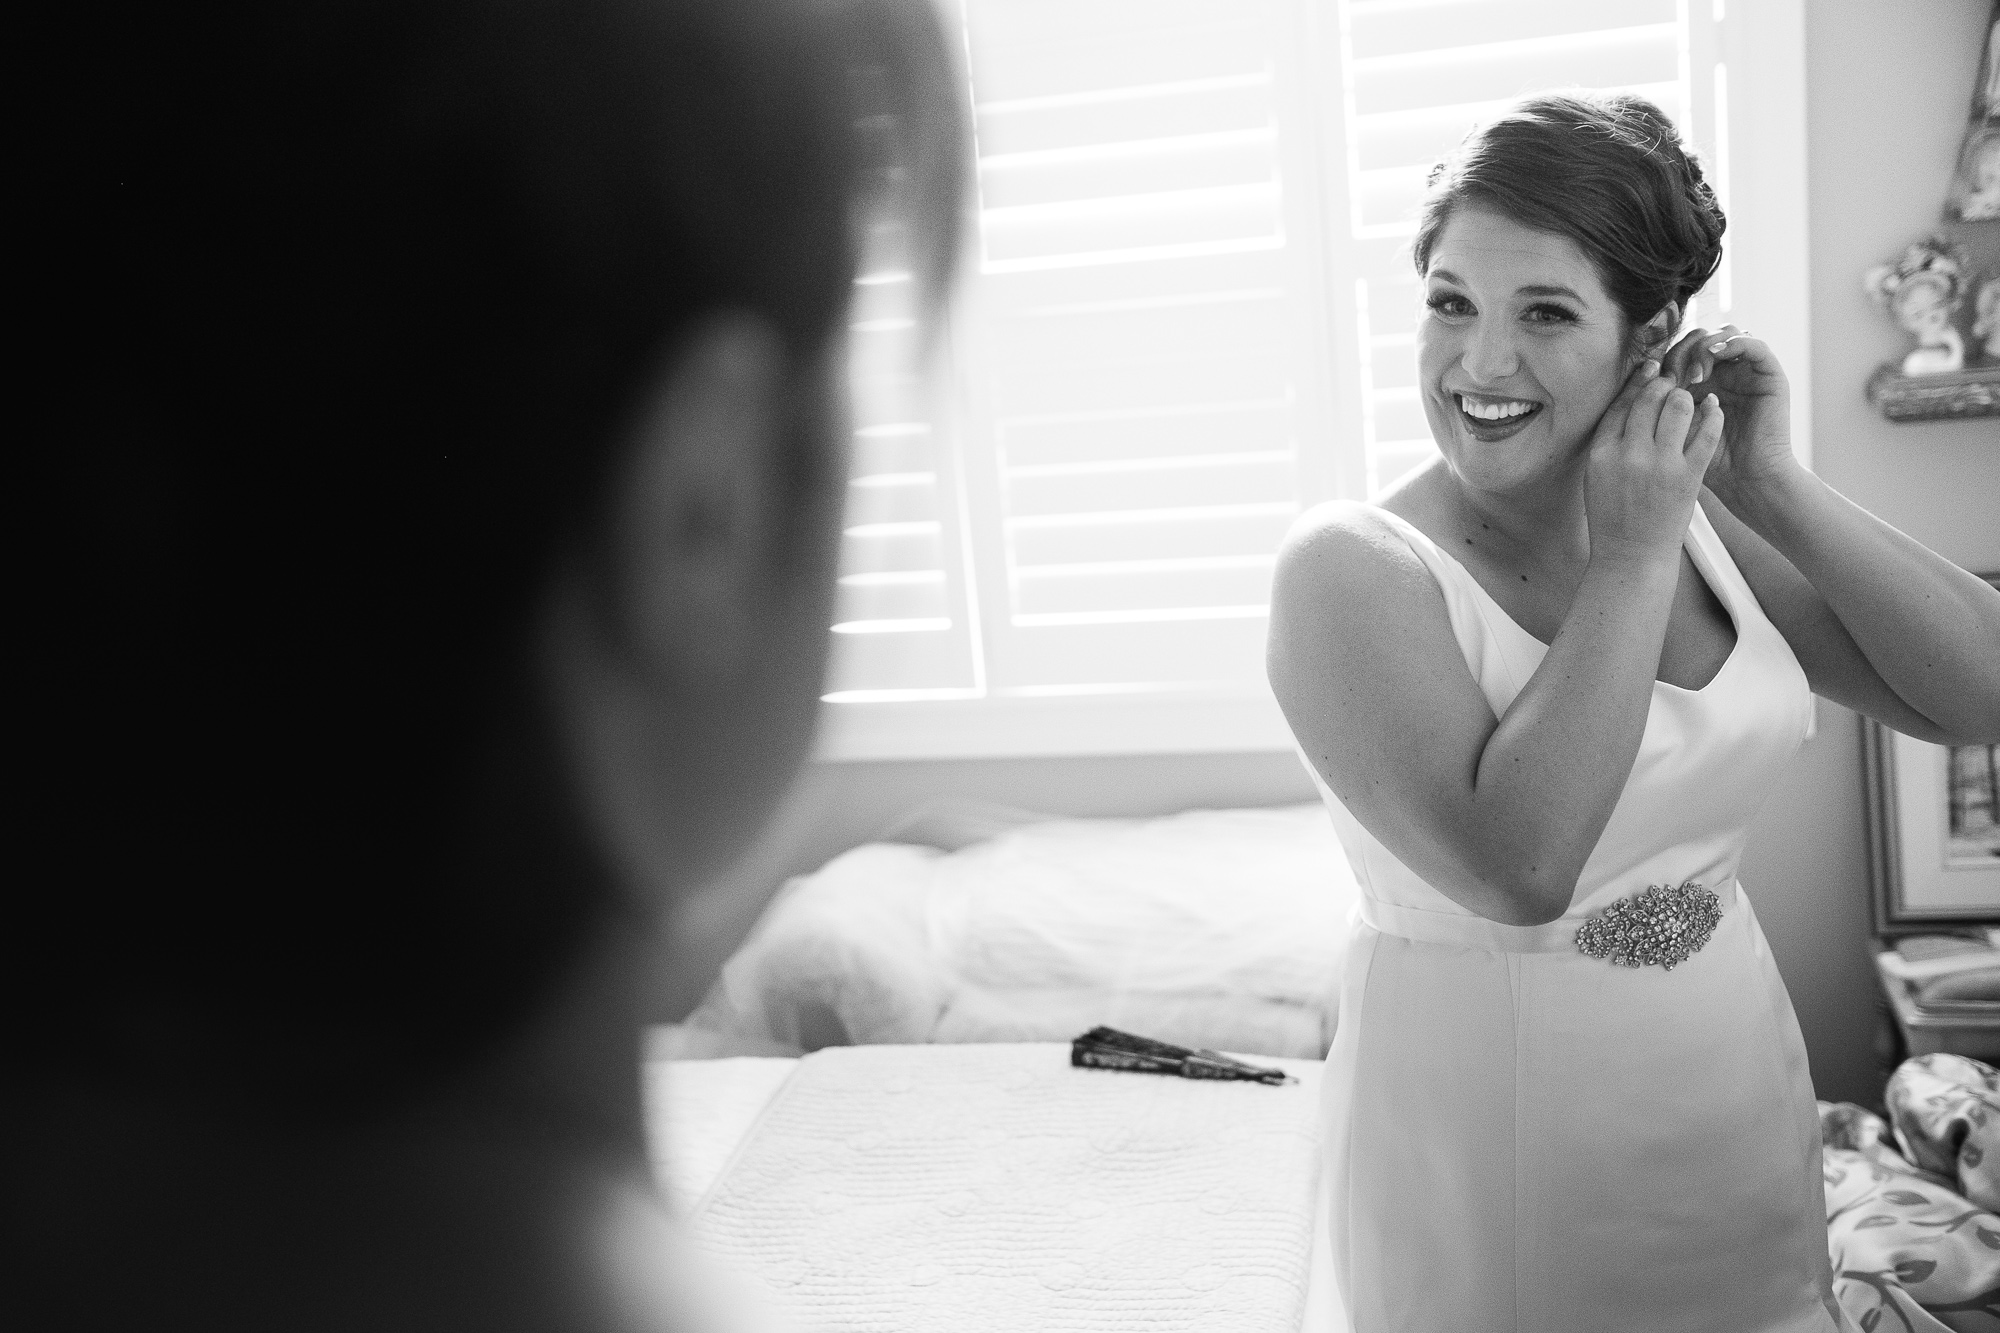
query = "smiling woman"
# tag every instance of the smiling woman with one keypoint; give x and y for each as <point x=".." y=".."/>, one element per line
<point x="1544" y="688"/>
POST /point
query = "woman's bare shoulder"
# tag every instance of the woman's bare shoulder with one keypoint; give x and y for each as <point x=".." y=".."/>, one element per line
<point x="1363" y="660"/>
<point x="1347" y="559"/>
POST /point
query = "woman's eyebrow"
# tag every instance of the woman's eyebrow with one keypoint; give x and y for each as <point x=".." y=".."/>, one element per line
<point x="1533" y="289"/>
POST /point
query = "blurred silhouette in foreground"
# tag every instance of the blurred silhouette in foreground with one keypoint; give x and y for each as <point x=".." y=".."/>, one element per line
<point x="453" y="532"/>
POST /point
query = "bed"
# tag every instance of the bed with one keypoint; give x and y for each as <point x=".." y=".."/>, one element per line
<point x="890" y="1135"/>
<point x="994" y="1187"/>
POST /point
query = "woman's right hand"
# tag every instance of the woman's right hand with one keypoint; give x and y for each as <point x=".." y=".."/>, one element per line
<point x="1647" y="458"/>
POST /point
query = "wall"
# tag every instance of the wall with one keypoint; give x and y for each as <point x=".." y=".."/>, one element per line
<point x="1888" y="85"/>
<point x="1887" y="89"/>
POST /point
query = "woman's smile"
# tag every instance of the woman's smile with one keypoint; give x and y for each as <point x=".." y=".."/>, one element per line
<point x="1489" y="419"/>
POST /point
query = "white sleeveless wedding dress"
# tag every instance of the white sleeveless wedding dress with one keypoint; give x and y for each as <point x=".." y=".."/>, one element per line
<point x="1523" y="1138"/>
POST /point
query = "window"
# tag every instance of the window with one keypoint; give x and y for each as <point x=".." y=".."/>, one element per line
<point x="1186" y="314"/>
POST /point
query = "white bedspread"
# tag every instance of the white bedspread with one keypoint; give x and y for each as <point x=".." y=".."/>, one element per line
<point x="993" y="1187"/>
<point x="698" y="1113"/>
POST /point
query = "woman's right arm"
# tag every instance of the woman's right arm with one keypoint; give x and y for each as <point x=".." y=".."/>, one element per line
<point x="1499" y="814"/>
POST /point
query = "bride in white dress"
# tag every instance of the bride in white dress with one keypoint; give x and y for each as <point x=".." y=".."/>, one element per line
<point x="1561" y="665"/>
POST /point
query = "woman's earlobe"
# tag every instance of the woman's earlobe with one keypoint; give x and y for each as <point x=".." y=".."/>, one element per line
<point x="1645" y="348"/>
<point x="1647" y="343"/>
<point x="1658" y="333"/>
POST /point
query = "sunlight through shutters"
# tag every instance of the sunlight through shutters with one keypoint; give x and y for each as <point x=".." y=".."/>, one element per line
<point x="1140" y="336"/>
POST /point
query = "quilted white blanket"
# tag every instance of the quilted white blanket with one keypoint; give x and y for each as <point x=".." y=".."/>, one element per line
<point x="698" y="1113"/>
<point x="994" y="1187"/>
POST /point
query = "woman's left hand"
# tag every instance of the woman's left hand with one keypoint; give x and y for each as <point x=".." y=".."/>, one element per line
<point x="1740" y="370"/>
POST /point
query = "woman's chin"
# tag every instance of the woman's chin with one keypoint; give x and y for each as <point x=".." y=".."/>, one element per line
<point x="1496" y="470"/>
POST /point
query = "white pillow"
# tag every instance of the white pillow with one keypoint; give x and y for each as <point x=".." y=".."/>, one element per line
<point x="1220" y="902"/>
<point x="1221" y="928"/>
<point x="840" y="957"/>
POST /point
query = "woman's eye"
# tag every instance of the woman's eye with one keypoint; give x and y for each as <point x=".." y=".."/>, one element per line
<point x="1448" y="303"/>
<point x="1550" y="314"/>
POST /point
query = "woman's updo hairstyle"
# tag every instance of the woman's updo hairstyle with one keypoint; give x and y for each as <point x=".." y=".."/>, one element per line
<point x="1609" y="173"/>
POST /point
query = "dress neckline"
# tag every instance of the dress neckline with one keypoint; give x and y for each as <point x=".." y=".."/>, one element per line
<point x="1704" y="569"/>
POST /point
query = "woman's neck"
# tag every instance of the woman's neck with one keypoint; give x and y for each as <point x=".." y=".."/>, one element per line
<point x="1542" y="524"/>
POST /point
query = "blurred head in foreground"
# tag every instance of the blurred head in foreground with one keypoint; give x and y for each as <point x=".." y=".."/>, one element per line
<point x="455" y="563"/>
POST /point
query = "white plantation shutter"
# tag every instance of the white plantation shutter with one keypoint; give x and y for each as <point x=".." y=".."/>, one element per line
<point x="903" y="627"/>
<point x="1137" y="353"/>
<point x="1139" y="337"/>
<point x="1187" y="313"/>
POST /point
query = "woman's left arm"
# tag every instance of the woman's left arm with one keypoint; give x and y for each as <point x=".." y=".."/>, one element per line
<point x="1880" y="623"/>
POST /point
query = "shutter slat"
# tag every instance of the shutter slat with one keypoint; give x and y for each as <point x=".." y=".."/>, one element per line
<point x="1499" y="23"/>
<point x="1147" y="58"/>
<point x="1423" y="134"/>
<point x="1229" y="530"/>
<point x="1606" y="60"/>
<point x="1230" y="481"/>
<point x="1137" y="648"/>
<point x="1027" y="23"/>
<point x="882" y="663"/>
<point x="1251" y="323"/>
<point x="893" y="602"/>
<point x="1142" y="168"/>
<point x="1216" y="105"/>
<point x="1187" y="381"/>
<point x="1113" y="592"/>
<point x="1107" y="229"/>
<point x="1256" y="425"/>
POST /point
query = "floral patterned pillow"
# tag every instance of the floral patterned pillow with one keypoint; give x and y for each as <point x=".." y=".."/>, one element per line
<point x="1946" y="1109"/>
<point x="1911" y="1254"/>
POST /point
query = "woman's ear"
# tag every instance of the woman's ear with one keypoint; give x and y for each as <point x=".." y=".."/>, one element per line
<point x="693" y="519"/>
<point x="1656" y="335"/>
<point x="683" y="645"/>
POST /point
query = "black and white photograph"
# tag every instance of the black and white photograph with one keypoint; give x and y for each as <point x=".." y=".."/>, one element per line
<point x="1937" y="846"/>
<point x="1976" y="185"/>
<point x="1012" y="666"/>
<point x="1972" y="785"/>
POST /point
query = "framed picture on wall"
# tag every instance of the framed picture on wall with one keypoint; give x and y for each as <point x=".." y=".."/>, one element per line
<point x="1975" y="186"/>
<point x="1934" y="830"/>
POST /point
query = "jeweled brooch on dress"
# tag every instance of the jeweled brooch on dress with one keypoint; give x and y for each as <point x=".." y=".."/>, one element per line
<point x="1662" y="925"/>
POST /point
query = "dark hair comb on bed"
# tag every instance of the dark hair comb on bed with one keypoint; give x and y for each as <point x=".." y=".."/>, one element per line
<point x="1108" y="1048"/>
